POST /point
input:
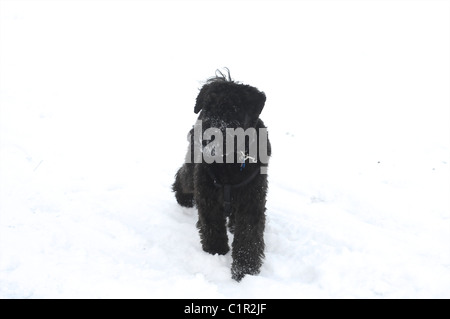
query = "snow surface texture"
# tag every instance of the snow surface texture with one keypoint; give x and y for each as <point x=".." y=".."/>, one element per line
<point x="96" y="101"/>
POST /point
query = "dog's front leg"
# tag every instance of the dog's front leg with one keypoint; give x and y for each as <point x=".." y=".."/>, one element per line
<point x="211" y="219"/>
<point x="248" y="243"/>
<point x="212" y="227"/>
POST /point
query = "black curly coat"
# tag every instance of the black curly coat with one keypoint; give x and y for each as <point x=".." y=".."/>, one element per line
<point x="236" y="191"/>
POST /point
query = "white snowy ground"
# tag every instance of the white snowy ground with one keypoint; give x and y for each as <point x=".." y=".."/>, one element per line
<point x="96" y="99"/>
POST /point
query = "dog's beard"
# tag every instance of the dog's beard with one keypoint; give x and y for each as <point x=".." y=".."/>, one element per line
<point x="237" y="154"/>
<point x="228" y="147"/>
<point x="218" y="141"/>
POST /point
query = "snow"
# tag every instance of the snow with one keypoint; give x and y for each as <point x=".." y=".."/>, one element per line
<point x="96" y="100"/>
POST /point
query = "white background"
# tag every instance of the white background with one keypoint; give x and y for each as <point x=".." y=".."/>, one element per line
<point x="97" y="97"/>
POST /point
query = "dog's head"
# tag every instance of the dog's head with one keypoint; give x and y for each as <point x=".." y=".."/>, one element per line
<point x="228" y="104"/>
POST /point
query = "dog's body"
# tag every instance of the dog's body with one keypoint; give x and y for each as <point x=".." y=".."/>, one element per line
<point x="222" y="190"/>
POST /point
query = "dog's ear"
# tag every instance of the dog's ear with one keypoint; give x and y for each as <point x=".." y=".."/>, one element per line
<point x="257" y="99"/>
<point x="199" y="102"/>
<point x="201" y="97"/>
<point x="261" y="101"/>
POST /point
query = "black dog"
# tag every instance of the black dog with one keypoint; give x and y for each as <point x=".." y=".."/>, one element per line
<point x="231" y="184"/>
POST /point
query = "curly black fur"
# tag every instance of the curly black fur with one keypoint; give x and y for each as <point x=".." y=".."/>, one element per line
<point x="223" y="103"/>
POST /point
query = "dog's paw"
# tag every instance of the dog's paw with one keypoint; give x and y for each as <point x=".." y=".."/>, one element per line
<point x="240" y="268"/>
<point x="237" y="273"/>
<point x="221" y="249"/>
<point x="218" y="245"/>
